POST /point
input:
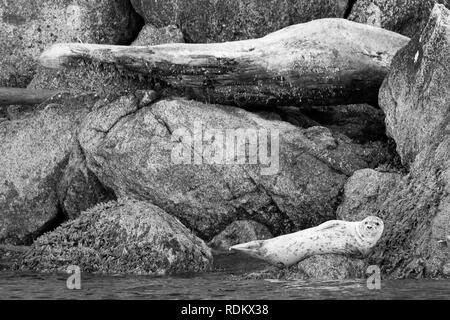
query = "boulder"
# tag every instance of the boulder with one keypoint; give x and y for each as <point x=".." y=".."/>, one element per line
<point x="416" y="212"/>
<point x="365" y="193"/>
<point x="218" y="21"/>
<point x="182" y="156"/>
<point x="120" y="237"/>
<point x="290" y="114"/>
<point x="329" y="267"/>
<point x="407" y="17"/>
<point x="78" y="188"/>
<point x="151" y="36"/>
<point x="360" y="122"/>
<point x="34" y="153"/>
<point x="29" y="26"/>
<point x="240" y="232"/>
<point x="417" y="216"/>
<point x="414" y="96"/>
<point x="320" y="267"/>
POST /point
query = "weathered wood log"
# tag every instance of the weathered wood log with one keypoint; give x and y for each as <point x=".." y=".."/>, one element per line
<point x="323" y="62"/>
<point x="10" y="96"/>
<point x="354" y="239"/>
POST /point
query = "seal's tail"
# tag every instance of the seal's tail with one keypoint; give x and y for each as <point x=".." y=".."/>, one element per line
<point x="250" y="248"/>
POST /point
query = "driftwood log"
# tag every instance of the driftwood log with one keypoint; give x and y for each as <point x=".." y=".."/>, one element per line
<point x="323" y="62"/>
<point x="19" y="96"/>
<point x="355" y="239"/>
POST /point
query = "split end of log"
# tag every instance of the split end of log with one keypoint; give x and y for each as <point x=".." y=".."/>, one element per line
<point x="57" y="55"/>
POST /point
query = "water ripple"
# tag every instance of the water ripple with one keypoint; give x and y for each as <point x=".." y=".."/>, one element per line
<point x="210" y="286"/>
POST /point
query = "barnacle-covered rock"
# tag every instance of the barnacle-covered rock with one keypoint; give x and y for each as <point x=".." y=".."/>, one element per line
<point x="120" y="237"/>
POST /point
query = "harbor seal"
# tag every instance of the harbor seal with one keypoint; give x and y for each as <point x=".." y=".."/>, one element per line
<point x="333" y="237"/>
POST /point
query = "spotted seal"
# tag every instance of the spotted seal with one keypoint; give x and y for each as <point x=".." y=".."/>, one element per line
<point x="332" y="237"/>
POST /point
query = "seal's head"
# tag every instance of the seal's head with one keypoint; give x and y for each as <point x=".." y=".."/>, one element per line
<point x="371" y="229"/>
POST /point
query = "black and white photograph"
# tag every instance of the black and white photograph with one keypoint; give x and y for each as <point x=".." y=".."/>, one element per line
<point x="236" y="152"/>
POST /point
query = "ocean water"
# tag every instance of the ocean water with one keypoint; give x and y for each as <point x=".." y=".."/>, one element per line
<point x="217" y="285"/>
<point x="225" y="283"/>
